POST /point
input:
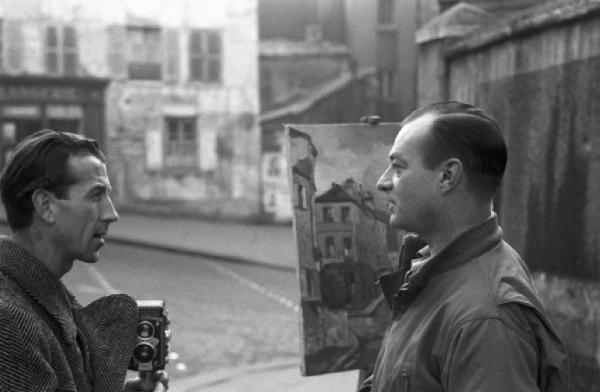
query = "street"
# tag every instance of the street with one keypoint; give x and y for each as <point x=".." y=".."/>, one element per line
<point x="223" y="315"/>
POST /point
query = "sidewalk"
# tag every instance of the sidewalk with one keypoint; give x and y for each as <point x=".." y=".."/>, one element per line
<point x="266" y="245"/>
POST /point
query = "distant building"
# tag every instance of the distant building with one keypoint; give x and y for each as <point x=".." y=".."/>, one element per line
<point x="170" y="88"/>
<point x="352" y="237"/>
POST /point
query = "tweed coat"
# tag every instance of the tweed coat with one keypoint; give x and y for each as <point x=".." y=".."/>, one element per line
<point x="48" y="342"/>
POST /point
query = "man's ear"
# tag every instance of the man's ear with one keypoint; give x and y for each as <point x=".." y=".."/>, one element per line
<point x="451" y="173"/>
<point x="43" y="205"/>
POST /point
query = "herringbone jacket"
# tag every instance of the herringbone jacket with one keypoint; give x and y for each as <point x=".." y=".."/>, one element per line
<point x="48" y="342"/>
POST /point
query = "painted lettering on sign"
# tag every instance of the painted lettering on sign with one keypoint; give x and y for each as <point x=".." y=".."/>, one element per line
<point x="42" y="93"/>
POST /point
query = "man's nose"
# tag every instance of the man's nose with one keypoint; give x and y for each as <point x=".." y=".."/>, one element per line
<point x="385" y="181"/>
<point x="110" y="212"/>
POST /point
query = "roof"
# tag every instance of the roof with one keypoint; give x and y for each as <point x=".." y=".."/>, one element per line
<point x="457" y="21"/>
<point x="334" y="194"/>
<point x="307" y="102"/>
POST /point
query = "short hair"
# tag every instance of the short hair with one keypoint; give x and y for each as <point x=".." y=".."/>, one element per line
<point x="465" y="132"/>
<point x="40" y="161"/>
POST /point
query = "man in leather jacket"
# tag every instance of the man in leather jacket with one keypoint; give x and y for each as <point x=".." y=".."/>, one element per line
<point x="465" y="314"/>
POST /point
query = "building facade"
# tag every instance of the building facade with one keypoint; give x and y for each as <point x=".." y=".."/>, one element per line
<point x="170" y="88"/>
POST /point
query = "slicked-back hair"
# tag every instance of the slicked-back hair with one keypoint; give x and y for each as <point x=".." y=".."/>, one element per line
<point x="467" y="133"/>
<point x="40" y="161"/>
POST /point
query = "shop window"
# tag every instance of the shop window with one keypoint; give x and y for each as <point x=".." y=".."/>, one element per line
<point x="205" y="50"/>
<point x="61" y="50"/>
<point x="327" y="214"/>
<point x="180" y="142"/>
<point x="144" y="53"/>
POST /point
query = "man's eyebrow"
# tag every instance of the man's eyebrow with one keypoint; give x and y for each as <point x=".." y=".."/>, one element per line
<point x="396" y="158"/>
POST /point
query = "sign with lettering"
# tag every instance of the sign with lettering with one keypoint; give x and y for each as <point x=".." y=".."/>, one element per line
<point x="48" y="93"/>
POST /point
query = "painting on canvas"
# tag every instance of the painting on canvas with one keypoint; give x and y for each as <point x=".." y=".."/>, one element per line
<point x="343" y="240"/>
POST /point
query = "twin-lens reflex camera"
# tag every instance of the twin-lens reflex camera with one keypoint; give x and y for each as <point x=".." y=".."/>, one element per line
<point x="153" y="335"/>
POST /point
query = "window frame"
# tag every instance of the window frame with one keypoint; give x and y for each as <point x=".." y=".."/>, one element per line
<point x="180" y="153"/>
<point x="203" y="60"/>
<point x="59" y="50"/>
<point x="150" y="68"/>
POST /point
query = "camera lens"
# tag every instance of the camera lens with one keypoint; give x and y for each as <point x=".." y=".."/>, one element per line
<point x="144" y="352"/>
<point x="145" y="330"/>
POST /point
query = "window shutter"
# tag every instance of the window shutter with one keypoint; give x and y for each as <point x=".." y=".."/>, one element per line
<point x="70" y="57"/>
<point x="117" y="60"/>
<point x="207" y="149"/>
<point x="154" y="150"/>
<point x="171" y="61"/>
<point x="14" y="45"/>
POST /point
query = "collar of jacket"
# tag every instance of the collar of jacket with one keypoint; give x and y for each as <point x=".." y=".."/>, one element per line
<point x="40" y="284"/>
<point x="470" y="244"/>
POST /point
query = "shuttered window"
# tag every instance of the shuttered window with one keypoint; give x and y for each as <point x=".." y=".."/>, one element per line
<point x="61" y="50"/>
<point x="13" y="45"/>
<point x="180" y="142"/>
<point x="145" y="55"/>
<point x="205" y="53"/>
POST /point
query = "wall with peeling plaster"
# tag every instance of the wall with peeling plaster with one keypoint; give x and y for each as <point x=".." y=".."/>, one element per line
<point x="225" y="180"/>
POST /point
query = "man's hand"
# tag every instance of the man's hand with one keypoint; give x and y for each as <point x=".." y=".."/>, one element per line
<point x="150" y="382"/>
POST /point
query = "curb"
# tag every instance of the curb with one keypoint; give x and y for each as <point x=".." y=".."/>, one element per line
<point x="224" y="376"/>
<point x="199" y="253"/>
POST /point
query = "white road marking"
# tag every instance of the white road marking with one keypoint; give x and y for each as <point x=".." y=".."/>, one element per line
<point x="255" y="286"/>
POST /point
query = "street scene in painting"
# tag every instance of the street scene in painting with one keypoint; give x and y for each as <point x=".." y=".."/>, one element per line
<point x="344" y="241"/>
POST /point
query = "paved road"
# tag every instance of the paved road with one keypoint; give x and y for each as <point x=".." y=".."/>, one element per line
<point x="223" y="315"/>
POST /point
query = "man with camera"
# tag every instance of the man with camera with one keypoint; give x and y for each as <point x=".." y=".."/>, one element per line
<point x="465" y="315"/>
<point x="56" y="193"/>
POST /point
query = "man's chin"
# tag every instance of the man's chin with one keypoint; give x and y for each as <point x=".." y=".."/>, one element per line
<point x="395" y="222"/>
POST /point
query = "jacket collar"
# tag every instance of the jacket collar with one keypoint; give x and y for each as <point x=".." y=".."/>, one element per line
<point x="39" y="283"/>
<point x="459" y="251"/>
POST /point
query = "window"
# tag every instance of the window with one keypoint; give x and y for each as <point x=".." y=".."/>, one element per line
<point x="266" y="85"/>
<point x="144" y="53"/>
<point x="205" y="56"/>
<point x="61" y="50"/>
<point x="327" y="215"/>
<point x="386" y="84"/>
<point x="347" y="246"/>
<point x="13" y="42"/>
<point x="180" y="142"/>
<point x="274" y="169"/>
<point x="386" y="12"/>
<point x="301" y="197"/>
<point x="329" y="247"/>
<point x="345" y="214"/>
